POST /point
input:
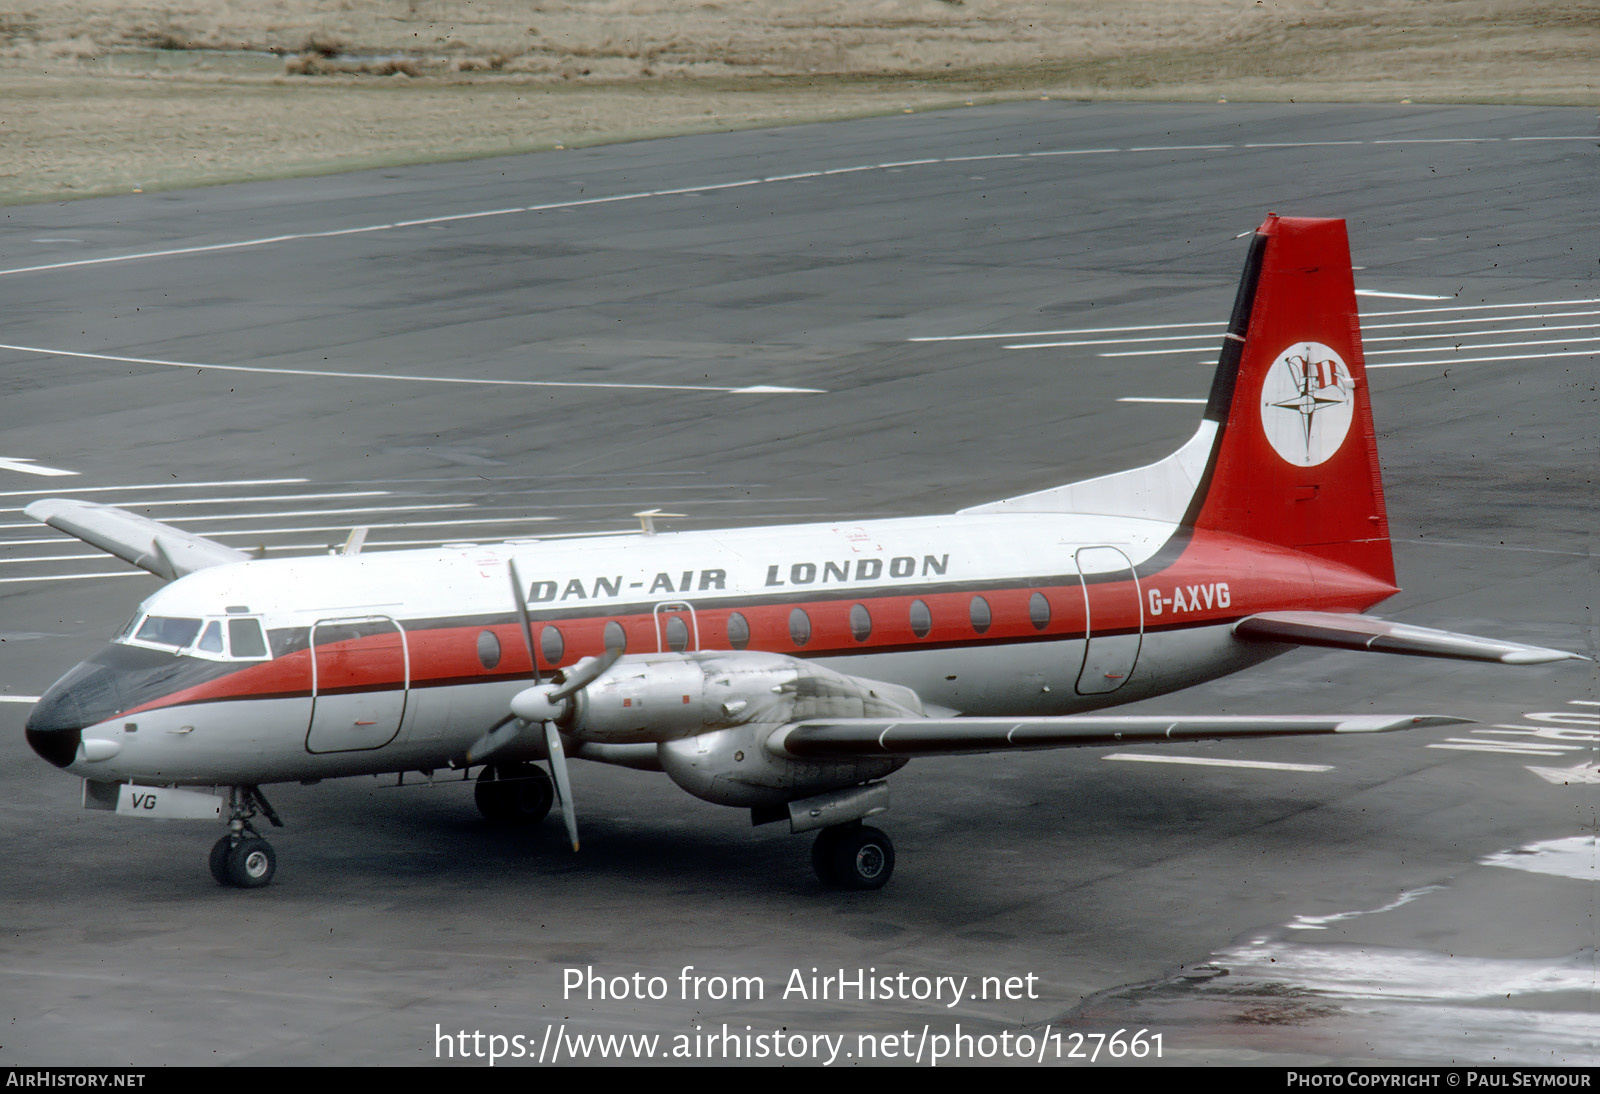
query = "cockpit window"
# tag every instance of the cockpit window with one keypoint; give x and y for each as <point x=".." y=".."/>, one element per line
<point x="164" y="630"/>
<point x="244" y="637"/>
<point x="211" y="639"/>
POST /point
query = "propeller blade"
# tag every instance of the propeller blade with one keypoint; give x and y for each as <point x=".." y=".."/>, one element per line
<point x="558" y="769"/>
<point x="496" y="738"/>
<point x="527" y="620"/>
<point x="584" y="673"/>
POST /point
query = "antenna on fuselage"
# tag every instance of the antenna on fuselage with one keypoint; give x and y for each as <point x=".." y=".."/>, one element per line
<point x="647" y="519"/>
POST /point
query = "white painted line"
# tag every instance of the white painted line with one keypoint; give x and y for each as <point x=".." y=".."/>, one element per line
<point x="74" y="577"/>
<point x="1483" y="307"/>
<point x="1207" y="761"/>
<point x="1480" y="360"/>
<point x="1220" y="327"/>
<point x="760" y="390"/>
<point x="1591" y="139"/>
<point x="1181" y="148"/>
<point x="1105" y="341"/>
<point x="1156" y="352"/>
<point x="1400" y="295"/>
<point x="1144" y="399"/>
<point x="1441" y="335"/>
<point x="19" y="698"/>
<point x="1298" y="144"/>
<point x="1074" y="152"/>
<point x="1440" y="140"/>
<point x="905" y="163"/>
<point x="24" y="559"/>
<point x="246" y="533"/>
<point x="302" y="513"/>
<point x="28" y="466"/>
<point x="154" y="486"/>
<point x="164" y="502"/>
<point x="1478" y="319"/>
<point x="1463" y="745"/>
<point x="1485" y="345"/>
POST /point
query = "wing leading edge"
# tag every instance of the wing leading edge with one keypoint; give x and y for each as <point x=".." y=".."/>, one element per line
<point x="163" y="550"/>
<point x="853" y="738"/>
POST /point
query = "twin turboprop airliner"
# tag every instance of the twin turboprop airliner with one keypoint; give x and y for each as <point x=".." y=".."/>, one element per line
<point x="783" y="670"/>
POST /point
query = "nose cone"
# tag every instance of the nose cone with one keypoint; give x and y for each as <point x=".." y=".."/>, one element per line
<point x="84" y="696"/>
<point x="59" y="746"/>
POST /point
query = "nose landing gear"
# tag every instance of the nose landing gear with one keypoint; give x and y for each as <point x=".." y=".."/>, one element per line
<point x="242" y="858"/>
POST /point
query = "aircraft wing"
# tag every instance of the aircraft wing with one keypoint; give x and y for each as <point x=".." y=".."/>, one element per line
<point x="165" y="551"/>
<point x="854" y="738"/>
<point x="1365" y="632"/>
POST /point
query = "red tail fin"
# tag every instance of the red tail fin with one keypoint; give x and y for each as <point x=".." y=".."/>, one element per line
<point x="1296" y="460"/>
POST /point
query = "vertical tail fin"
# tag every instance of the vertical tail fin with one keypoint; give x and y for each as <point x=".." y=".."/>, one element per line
<point x="1295" y="460"/>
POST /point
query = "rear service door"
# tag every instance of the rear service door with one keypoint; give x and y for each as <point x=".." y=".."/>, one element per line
<point x="360" y="678"/>
<point x="1116" y="619"/>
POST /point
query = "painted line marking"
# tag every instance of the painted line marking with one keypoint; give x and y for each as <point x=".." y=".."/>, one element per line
<point x="759" y="389"/>
<point x="1155" y="352"/>
<point x="1480" y="319"/>
<point x="1486" y="345"/>
<point x="1400" y="295"/>
<point x="19" y="698"/>
<point x="302" y="513"/>
<point x="156" y="486"/>
<point x="74" y="577"/>
<point x="28" y="466"/>
<point x="1207" y="761"/>
<point x="1482" y="333"/>
<point x="1484" y="307"/>
<point x="1104" y="341"/>
<point x="290" y="237"/>
<point x="263" y="498"/>
<point x="1212" y="323"/>
<point x="1151" y="399"/>
<point x="1479" y="360"/>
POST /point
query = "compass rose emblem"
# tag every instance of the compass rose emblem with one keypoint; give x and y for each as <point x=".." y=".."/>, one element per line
<point x="1307" y="403"/>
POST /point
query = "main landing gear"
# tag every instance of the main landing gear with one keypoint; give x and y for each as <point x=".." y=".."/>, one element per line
<point x="514" y="793"/>
<point x="853" y="856"/>
<point x="242" y="858"/>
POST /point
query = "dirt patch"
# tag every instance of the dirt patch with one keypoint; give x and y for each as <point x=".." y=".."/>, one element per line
<point x="100" y="96"/>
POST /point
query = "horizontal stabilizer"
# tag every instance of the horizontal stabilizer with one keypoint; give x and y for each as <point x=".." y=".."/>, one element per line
<point x="1363" y="632"/>
<point x="148" y="544"/>
<point x="850" y="738"/>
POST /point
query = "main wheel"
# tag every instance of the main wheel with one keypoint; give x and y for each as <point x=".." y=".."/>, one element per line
<point x="250" y="863"/>
<point x="862" y="858"/>
<point x="219" y="861"/>
<point x="514" y="793"/>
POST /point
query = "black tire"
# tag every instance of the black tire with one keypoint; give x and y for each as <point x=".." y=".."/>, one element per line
<point x="219" y="861"/>
<point x="862" y="858"/>
<point x="514" y="794"/>
<point x="251" y="863"/>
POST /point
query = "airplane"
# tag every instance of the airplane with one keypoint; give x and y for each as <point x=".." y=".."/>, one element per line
<point x="784" y="670"/>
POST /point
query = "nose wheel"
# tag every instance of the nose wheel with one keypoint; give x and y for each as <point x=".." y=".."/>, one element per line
<point x="853" y="856"/>
<point x="242" y="858"/>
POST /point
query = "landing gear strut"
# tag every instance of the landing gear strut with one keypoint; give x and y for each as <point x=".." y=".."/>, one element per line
<point x="853" y="856"/>
<point x="242" y="858"/>
<point x="514" y="793"/>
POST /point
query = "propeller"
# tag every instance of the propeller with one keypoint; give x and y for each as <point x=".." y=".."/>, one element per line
<point x="546" y="703"/>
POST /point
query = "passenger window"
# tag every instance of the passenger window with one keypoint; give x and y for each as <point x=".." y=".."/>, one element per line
<point x="978" y="611"/>
<point x="921" y="619"/>
<point x="738" y="631"/>
<point x="860" y="623"/>
<point x="551" y="645"/>
<point x="677" y="634"/>
<point x="488" y="649"/>
<point x="616" y="637"/>
<point x="799" y="626"/>
<point x="211" y="639"/>
<point x="1039" y="611"/>
<point x="244" y="638"/>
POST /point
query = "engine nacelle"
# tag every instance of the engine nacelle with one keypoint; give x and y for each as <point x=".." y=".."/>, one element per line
<point x="734" y="767"/>
<point x="711" y="713"/>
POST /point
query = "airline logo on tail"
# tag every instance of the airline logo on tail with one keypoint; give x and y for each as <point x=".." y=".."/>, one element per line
<point x="1307" y="403"/>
